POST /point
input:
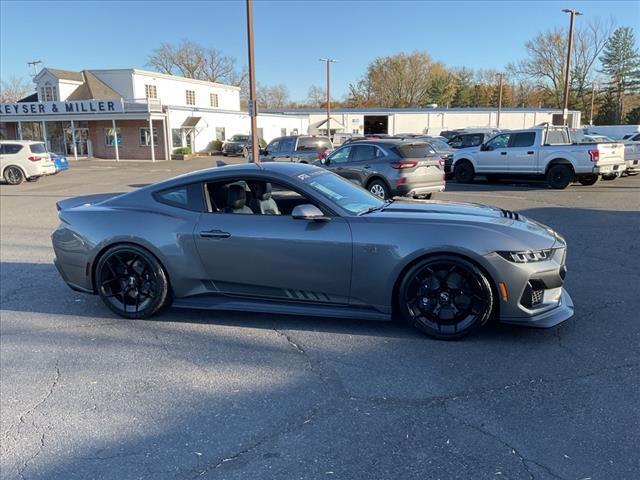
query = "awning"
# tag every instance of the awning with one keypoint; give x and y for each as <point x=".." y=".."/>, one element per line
<point x="335" y="124"/>
<point x="190" y="122"/>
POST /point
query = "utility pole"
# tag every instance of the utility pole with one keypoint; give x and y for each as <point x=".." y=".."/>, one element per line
<point x="253" y="103"/>
<point x="567" y="68"/>
<point x="501" y="78"/>
<point x="593" y="98"/>
<point x="328" y="61"/>
<point x="34" y="67"/>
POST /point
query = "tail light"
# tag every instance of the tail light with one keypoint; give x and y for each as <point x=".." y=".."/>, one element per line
<point x="322" y="155"/>
<point x="401" y="165"/>
<point x="33" y="158"/>
<point x="441" y="162"/>
<point x="595" y="155"/>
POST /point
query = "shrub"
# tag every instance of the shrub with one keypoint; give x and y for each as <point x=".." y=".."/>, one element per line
<point x="182" y="151"/>
<point x="215" y="146"/>
<point x="262" y="143"/>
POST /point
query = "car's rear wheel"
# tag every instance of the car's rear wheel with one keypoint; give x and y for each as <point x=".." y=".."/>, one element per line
<point x="379" y="189"/>
<point x="588" y="180"/>
<point x="131" y="282"/>
<point x="464" y="172"/>
<point x="610" y="176"/>
<point x="446" y="297"/>
<point x="559" y="176"/>
<point x="13" y="175"/>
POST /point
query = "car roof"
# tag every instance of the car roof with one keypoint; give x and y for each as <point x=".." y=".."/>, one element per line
<point x="22" y="142"/>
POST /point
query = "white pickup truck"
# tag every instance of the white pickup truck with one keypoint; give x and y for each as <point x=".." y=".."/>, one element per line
<point x="543" y="151"/>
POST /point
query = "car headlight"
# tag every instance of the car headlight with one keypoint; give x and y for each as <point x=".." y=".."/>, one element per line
<point x="527" y="256"/>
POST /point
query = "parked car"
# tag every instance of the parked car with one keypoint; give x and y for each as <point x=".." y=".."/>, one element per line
<point x="311" y="243"/>
<point x="22" y="160"/>
<point x="442" y="148"/>
<point x="632" y="157"/>
<point x="543" y="151"/>
<point x="341" y="137"/>
<point x="632" y="137"/>
<point x="237" y="145"/>
<point x="469" y="139"/>
<point x="60" y="161"/>
<point x="389" y="167"/>
<point x="300" y="149"/>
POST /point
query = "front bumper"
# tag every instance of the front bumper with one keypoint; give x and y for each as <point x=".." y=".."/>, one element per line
<point x="548" y="318"/>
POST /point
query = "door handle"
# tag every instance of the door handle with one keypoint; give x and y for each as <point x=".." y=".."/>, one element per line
<point x="530" y="152"/>
<point x="503" y="153"/>
<point x="367" y="166"/>
<point x="214" y="234"/>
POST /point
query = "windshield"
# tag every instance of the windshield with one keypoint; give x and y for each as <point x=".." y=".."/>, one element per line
<point x="438" y="144"/>
<point x="341" y="192"/>
<point x="240" y="138"/>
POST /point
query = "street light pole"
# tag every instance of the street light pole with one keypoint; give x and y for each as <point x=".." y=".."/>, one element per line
<point x="593" y="98"/>
<point x="501" y="77"/>
<point x="328" y="61"/>
<point x="567" y="69"/>
<point x="253" y="104"/>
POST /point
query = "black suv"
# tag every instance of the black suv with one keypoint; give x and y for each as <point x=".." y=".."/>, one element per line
<point x="302" y="149"/>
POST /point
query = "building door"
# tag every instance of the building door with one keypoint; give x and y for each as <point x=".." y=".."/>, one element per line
<point x="376" y="124"/>
<point x="82" y="138"/>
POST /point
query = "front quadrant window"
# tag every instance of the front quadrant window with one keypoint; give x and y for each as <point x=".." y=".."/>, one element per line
<point x="213" y="98"/>
<point x="151" y="91"/>
<point x="110" y="138"/>
<point x="176" y="137"/>
<point x="190" y="97"/>
<point x="145" y="138"/>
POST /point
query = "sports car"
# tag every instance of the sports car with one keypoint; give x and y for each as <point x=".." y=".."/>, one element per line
<point x="291" y="238"/>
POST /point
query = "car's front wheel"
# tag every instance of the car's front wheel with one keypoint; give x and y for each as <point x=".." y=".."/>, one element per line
<point x="245" y="152"/>
<point x="379" y="189"/>
<point x="464" y="172"/>
<point x="446" y="297"/>
<point x="13" y="175"/>
<point x="131" y="282"/>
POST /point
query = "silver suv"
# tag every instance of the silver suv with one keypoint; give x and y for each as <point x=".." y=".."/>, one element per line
<point x="390" y="167"/>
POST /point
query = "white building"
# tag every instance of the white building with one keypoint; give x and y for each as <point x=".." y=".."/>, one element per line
<point x="110" y="114"/>
<point x="431" y="121"/>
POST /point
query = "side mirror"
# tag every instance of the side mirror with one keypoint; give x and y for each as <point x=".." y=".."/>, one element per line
<point x="483" y="147"/>
<point x="309" y="212"/>
<point x="325" y="160"/>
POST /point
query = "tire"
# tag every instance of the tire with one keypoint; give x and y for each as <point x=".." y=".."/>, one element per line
<point x="131" y="282"/>
<point x="428" y="196"/>
<point x="379" y="189"/>
<point x="445" y="297"/>
<point x="632" y="174"/>
<point x="245" y="153"/>
<point x="33" y="179"/>
<point x="559" y="176"/>
<point x="609" y="177"/>
<point x="588" y="180"/>
<point x="13" y="175"/>
<point x="464" y="172"/>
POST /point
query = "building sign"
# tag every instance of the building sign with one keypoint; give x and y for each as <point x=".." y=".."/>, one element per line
<point x="57" y="108"/>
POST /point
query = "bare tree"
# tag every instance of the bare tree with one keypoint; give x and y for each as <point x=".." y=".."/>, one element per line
<point x="276" y="96"/>
<point x="316" y="96"/>
<point x="14" y="89"/>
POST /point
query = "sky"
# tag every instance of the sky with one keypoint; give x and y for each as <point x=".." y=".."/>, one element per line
<point x="290" y="36"/>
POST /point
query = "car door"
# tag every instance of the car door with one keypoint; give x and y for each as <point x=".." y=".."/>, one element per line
<point x="522" y="158"/>
<point x="276" y="257"/>
<point x="492" y="156"/>
<point x="361" y="163"/>
<point x="337" y="160"/>
<point x="271" y="151"/>
<point x="285" y="151"/>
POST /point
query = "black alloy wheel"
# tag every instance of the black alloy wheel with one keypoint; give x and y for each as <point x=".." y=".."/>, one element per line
<point x="559" y="176"/>
<point x="464" y="172"/>
<point x="131" y="282"/>
<point x="13" y="175"/>
<point x="446" y="297"/>
<point x="588" y="180"/>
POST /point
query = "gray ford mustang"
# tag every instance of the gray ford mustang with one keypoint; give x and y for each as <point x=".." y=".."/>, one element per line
<point x="291" y="238"/>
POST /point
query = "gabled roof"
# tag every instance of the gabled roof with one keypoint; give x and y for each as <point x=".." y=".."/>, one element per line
<point x="65" y="74"/>
<point x="92" y="88"/>
<point x="29" y="98"/>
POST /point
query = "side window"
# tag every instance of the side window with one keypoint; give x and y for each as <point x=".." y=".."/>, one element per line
<point x="456" y="142"/>
<point x="188" y="197"/>
<point x="340" y="156"/>
<point x="286" y="145"/>
<point x="522" y="139"/>
<point x="472" y="140"/>
<point x="499" y="141"/>
<point x="11" y="148"/>
<point x="362" y="153"/>
<point x="273" y="146"/>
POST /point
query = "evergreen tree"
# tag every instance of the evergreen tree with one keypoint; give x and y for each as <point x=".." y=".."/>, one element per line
<point x="633" y="117"/>
<point x="621" y="62"/>
<point x="464" y="88"/>
<point x="607" y="109"/>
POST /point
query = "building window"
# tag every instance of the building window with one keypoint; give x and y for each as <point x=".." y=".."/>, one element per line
<point x="283" y="132"/>
<point x="109" y="137"/>
<point x="176" y="137"/>
<point x="191" y="97"/>
<point x="145" y="138"/>
<point x="214" y="99"/>
<point x="150" y="91"/>
<point x="220" y="134"/>
<point x="49" y="93"/>
<point x="294" y="131"/>
<point x="356" y="131"/>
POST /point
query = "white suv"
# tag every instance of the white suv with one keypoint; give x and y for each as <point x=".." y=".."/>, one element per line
<point x="24" y="160"/>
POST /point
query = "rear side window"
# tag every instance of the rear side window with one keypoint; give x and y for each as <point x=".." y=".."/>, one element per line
<point x="313" y="143"/>
<point x="188" y="197"/>
<point x="11" y="148"/>
<point x="286" y="144"/>
<point x="523" y="139"/>
<point x="472" y="140"/>
<point x="38" y="148"/>
<point x="414" y="150"/>
<point x="362" y="153"/>
<point x="557" y="137"/>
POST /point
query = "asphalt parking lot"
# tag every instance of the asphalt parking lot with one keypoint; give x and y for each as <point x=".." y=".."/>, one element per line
<point x="194" y="394"/>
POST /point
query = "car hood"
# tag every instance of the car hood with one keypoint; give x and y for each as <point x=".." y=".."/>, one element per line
<point x="506" y="221"/>
<point x="229" y="143"/>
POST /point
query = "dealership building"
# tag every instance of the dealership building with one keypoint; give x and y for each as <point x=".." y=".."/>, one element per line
<point x="142" y="115"/>
<point x="133" y="114"/>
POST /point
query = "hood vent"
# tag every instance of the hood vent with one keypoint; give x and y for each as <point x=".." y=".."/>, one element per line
<point x="510" y="214"/>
